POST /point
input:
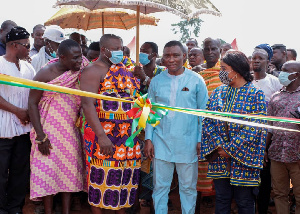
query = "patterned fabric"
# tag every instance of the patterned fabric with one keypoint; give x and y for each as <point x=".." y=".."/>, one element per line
<point x="285" y="145"/>
<point x="244" y="144"/>
<point x="113" y="181"/>
<point x="187" y="65"/>
<point x="205" y="185"/>
<point x="63" y="170"/>
<point x="212" y="81"/>
<point x="129" y="63"/>
<point x="157" y="70"/>
<point x="211" y="77"/>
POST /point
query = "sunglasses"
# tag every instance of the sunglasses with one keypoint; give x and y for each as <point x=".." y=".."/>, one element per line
<point x="27" y="46"/>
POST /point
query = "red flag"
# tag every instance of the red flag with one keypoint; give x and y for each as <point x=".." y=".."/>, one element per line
<point x="234" y="45"/>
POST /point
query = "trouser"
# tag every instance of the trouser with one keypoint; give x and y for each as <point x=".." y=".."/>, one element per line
<point x="162" y="178"/>
<point x="281" y="174"/>
<point x="242" y="195"/>
<point x="263" y="197"/>
<point x="14" y="172"/>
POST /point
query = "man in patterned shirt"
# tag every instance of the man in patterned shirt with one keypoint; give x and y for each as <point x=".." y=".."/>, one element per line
<point x="283" y="147"/>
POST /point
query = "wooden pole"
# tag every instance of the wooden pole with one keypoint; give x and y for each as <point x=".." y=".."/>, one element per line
<point x="137" y="41"/>
<point x="102" y="23"/>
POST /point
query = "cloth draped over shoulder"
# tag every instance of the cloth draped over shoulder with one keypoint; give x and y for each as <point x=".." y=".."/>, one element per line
<point x="113" y="180"/>
<point x="245" y="144"/>
<point x="64" y="169"/>
<point x="211" y="77"/>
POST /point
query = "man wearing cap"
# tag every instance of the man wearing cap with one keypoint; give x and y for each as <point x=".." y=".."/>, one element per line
<point x="53" y="36"/>
<point x="279" y="58"/>
<point x="269" y="84"/>
<point x="14" y="123"/>
<point x="6" y="26"/>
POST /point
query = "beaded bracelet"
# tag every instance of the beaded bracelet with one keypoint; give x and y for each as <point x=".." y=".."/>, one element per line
<point x="42" y="141"/>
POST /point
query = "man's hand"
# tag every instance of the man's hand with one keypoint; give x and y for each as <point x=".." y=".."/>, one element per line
<point x="266" y="159"/>
<point x="139" y="73"/>
<point x="222" y="153"/>
<point x="149" y="149"/>
<point x="23" y="116"/>
<point x="106" y="146"/>
<point x="45" y="147"/>
<point x="199" y="148"/>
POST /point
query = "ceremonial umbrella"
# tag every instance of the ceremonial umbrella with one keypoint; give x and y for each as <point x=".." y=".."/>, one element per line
<point x="100" y="18"/>
<point x="184" y="8"/>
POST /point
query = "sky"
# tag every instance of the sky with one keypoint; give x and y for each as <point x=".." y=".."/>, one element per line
<point x="251" y="22"/>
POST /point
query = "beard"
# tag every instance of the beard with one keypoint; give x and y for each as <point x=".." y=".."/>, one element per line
<point x="257" y="69"/>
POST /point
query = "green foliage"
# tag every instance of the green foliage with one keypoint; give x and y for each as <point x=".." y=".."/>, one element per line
<point x="187" y="28"/>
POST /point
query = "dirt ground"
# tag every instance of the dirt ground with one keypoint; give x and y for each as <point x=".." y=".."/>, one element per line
<point x="30" y="207"/>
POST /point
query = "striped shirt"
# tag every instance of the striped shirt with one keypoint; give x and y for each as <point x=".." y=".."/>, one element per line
<point x="211" y="77"/>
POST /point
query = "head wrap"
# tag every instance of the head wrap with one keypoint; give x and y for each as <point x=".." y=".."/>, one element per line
<point x="267" y="48"/>
<point x="17" y="33"/>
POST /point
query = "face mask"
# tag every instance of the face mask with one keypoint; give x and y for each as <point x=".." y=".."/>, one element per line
<point x="53" y="54"/>
<point x="223" y="75"/>
<point x="284" y="78"/>
<point x="116" y="56"/>
<point x="144" y="59"/>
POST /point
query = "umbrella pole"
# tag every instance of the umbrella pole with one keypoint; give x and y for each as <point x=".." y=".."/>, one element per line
<point x="102" y="23"/>
<point x="137" y="43"/>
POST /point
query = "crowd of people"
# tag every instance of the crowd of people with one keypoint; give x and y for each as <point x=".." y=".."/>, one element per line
<point x="62" y="144"/>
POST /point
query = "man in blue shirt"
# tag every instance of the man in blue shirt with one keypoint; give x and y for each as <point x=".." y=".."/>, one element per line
<point x="6" y="26"/>
<point x="176" y="140"/>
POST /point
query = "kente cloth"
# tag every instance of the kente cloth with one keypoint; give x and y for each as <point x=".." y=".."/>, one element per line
<point x="129" y="63"/>
<point x="212" y="81"/>
<point x="211" y="77"/>
<point x="113" y="181"/>
<point x="64" y="169"/>
<point x="187" y="65"/>
<point x="205" y="185"/>
<point x="245" y="144"/>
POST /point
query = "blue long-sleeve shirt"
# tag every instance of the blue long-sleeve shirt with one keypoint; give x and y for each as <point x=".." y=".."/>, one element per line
<point x="175" y="138"/>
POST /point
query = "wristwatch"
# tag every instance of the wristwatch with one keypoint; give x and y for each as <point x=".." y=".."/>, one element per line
<point x="146" y="80"/>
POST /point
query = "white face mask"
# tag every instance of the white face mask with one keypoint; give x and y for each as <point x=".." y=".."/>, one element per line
<point x="284" y="78"/>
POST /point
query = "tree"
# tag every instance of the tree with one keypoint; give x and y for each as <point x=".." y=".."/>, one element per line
<point x="186" y="28"/>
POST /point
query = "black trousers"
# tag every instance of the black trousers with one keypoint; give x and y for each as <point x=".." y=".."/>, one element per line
<point x="263" y="197"/>
<point x="14" y="172"/>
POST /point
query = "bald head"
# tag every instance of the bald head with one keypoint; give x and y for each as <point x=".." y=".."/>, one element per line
<point x="195" y="57"/>
<point x="6" y="26"/>
<point x="291" y="66"/>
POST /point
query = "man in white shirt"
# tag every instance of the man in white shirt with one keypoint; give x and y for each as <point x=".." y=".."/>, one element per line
<point x="38" y="39"/>
<point x="14" y="123"/>
<point x="269" y="84"/>
<point x="53" y="36"/>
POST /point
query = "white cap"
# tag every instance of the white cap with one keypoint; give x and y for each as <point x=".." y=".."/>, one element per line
<point x="54" y="33"/>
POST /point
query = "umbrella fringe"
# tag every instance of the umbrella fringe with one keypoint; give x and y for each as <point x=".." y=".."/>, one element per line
<point x="152" y="5"/>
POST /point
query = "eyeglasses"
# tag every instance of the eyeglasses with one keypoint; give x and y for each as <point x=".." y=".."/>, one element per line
<point x="27" y="46"/>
